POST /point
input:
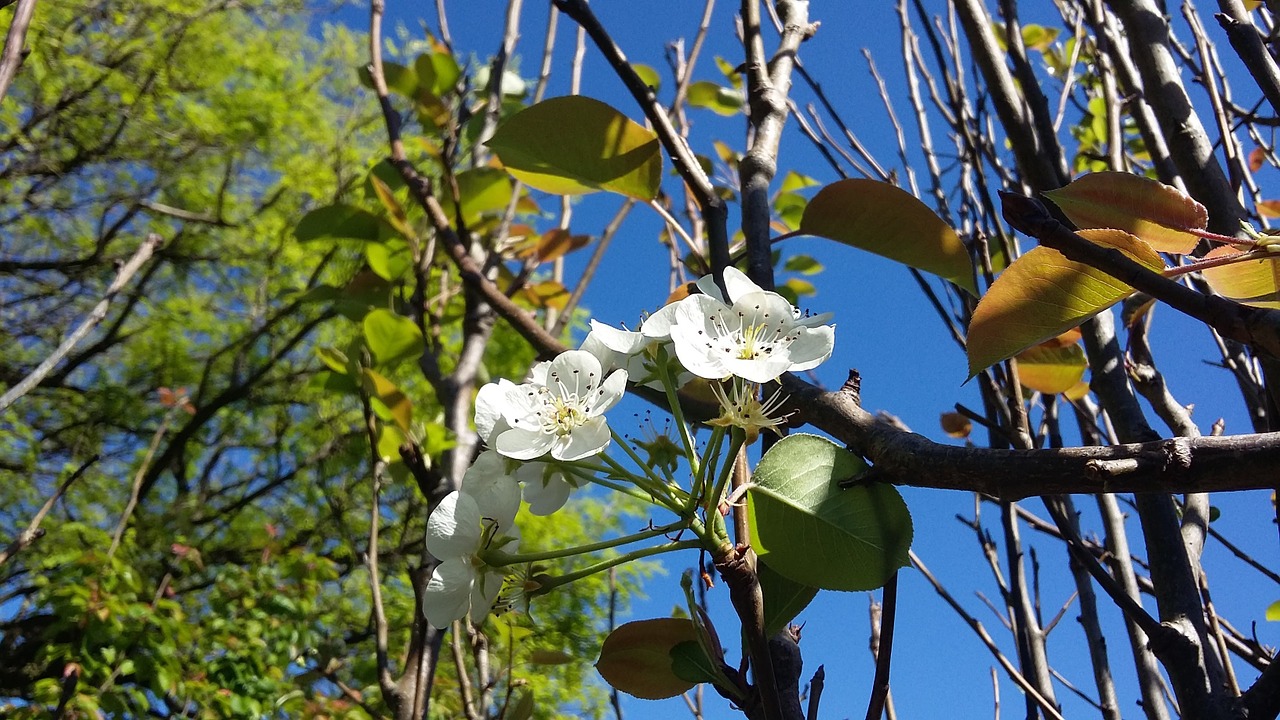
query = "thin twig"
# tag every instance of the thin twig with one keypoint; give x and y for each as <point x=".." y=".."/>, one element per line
<point x="33" y="531"/>
<point x="14" y="44"/>
<point x="126" y="273"/>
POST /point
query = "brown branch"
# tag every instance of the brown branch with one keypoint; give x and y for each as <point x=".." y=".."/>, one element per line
<point x="883" y="649"/>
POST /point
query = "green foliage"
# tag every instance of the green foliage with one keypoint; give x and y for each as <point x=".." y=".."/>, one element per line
<point x="811" y="530"/>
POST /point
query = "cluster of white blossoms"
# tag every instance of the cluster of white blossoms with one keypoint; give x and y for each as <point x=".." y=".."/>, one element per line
<point x="743" y="336"/>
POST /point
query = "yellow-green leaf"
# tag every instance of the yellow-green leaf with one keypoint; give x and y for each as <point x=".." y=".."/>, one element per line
<point x="573" y="145"/>
<point x="648" y="75"/>
<point x="890" y="222"/>
<point x="1254" y="282"/>
<point x="391" y="337"/>
<point x="1273" y="611"/>
<point x="718" y="99"/>
<point x="1051" y="369"/>
<point x="387" y="400"/>
<point x="1043" y="294"/>
<point x="636" y="657"/>
<point x="484" y="191"/>
<point x="1157" y="213"/>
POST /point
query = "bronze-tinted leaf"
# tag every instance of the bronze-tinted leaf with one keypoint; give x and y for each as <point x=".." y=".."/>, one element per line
<point x="636" y="657"/>
<point x="890" y="222"/>
<point x="1158" y="214"/>
<point x="1253" y="282"/>
<point x="1043" y="294"/>
<point x="1051" y="368"/>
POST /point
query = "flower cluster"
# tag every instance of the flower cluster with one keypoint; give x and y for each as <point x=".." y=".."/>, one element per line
<point x="737" y="338"/>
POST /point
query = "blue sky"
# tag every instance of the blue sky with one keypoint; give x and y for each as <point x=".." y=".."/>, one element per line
<point x="909" y="365"/>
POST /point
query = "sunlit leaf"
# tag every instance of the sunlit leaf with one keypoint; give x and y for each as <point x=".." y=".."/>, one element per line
<point x="334" y="358"/>
<point x="1043" y="294"/>
<point x="812" y="531"/>
<point x="1157" y="213"/>
<point x="636" y="657"/>
<point x="392" y="338"/>
<point x="648" y="75"/>
<point x="1254" y="282"/>
<point x="546" y="294"/>
<point x="484" y="191"/>
<point x="956" y="425"/>
<point x="1077" y="391"/>
<point x="1038" y="37"/>
<point x="803" y="264"/>
<point x="889" y="222"/>
<point x="793" y="181"/>
<point x="390" y="259"/>
<point x="573" y="145"/>
<point x="388" y="401"/>
<point x="437" y="72"/>
<point x="718" y="99"/>
<point x="730" y="71"/>
<point x="390" y="438"/>
<point x="1051" y="369"/>
<point x="1273" y="611"/>
<point x="1257" y="158"/>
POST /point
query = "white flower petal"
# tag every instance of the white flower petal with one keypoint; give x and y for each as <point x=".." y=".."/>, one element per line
<point x="521" y="444"/>
<point x="812" y="347"/>
<point x="497" y="494"/>
<point x="607" y="357"/>
<point x="547" y="493"/>
<point x="483" y="592"/>
<point x="489" y="402"/>
<point x="707" y="286"/>
<point x="574" y="373"/>
<point x="453" y="530"/>
<point x="658" y="325"/>
<point x="588" y="439"/>
<point x="448" y="594"/>
<point x="619" y="341"/>
<point x="738" y="284"/>
<point x="609" y="393"/>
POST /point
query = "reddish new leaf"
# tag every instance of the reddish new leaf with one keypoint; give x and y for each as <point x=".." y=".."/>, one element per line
<point x="1158" y="214"/>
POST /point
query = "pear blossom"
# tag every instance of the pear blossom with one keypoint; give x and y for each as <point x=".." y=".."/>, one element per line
<point x="741" y="407"/>
<point x="752" y="333"/>
<point x="456" y="533"/>
<point x="560" y="412"/>
<point x="546" y="488"/>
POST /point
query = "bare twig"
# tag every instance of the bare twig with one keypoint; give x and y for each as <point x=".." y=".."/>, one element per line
<point x="33" y="532"/>
<point x="126" y="273"/>
<point x="14" y="44"/>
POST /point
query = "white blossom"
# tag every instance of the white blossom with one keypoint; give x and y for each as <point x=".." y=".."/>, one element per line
<point x="560" y="412"/>
<point x="546" y="488"/>
<point x="461" y="583"/>
<point x="752" y="334"/>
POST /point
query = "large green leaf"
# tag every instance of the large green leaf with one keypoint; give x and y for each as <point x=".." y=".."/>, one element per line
<point x="483" y="190"/>
<point x="1155" y="212"/>
<point x="1253" y="282"/>
<point x="1043" y="294"/>
<point x="573" y="145"/>
<point x="811" y="531"/>
<point x="392" y="338"/>
<point x="636" y="657"/>
<point x="890" y="222"/>
<point x="783" y="598"/>
<point x="338" y="222"/>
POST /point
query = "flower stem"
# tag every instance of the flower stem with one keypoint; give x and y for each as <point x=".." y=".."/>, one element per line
<point x="553" y="583"/>
<point x="677" y="412"/>
<point x="498" y="557"/>
<point x="708" y="465"/>
<point x="592" y="477"/>
<point x="660" y="487"/>
<point x="738" y="438"/>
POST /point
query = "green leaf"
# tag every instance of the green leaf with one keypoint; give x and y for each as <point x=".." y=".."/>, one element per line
<point x="803" y="264"/>
<point x="437" y="73"/>
<point x="484" y="191"/>
<point x="1051" y="370"/>
<point x="1043" y="294"/>
<point x="716" y="98"/>
<point x="1273" y="611"/>
<point x="636" y="657"/>
<point x="808" y="529"/>
<point x="388" y="401"/>
<point x="334" y="358"/>
<point x="890" y="222"/>
<point x="400" y="79"/>
<point x="1155" y="212"/>
<point x="1254" y="282"/>
<point x="574" y="145"/>
<point x="392" y="338"/>
<point x="338" y="222"/>
<point x="793" y="181"/>
<point x="690" y="663"/>
<point x="783" y="599"/>
<point x="390" y="260"/>
<point x="648" y="75"/>
<point x="522" y="709"/>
